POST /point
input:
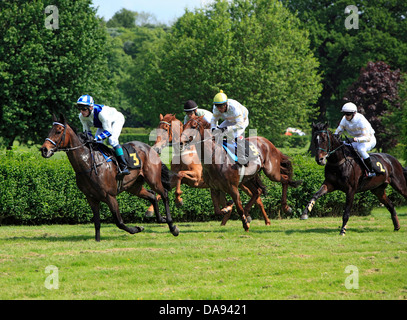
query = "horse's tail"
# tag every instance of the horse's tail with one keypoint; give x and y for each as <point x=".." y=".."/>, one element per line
<point x="166" y="175"/>
<point x="286" y="168"/>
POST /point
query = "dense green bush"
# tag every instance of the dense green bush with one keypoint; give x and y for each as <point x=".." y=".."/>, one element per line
<point x="34" y="190"/>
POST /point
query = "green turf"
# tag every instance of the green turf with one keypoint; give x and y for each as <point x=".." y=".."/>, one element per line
<point x="291" y="259"/>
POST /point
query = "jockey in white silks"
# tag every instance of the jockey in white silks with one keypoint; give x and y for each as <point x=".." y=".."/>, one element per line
<point x="236" y="120"/>
<point x="358" y="126"/>
<point x="109" y="123"/>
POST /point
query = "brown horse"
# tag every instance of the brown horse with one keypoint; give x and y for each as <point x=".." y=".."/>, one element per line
<point x="189" y="168"/>
<point x="344" y="171"/>
<point x="186" y="164"/>
<point x="96" y="177"/>
<point x="224" y="176"/>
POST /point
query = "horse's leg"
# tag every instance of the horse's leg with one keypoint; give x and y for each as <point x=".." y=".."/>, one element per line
<point x="325" y="188"/>
<point x="284" y="205"/>
<point x="380" y="193"/>
<point x="350" y="195"/>
<point x="236" y="199"/>
<point x="216" y="201"/>
<point x="250" y="189"/>
<point x="111" y="201"/>
<point x="178" y="191"/>
<point x="150" y="211"/>
<point x="95" y="206"/>
<point x="173" y="228"/>
<point x="143" y="193"/>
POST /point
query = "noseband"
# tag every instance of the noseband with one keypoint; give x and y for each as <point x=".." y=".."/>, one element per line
<point x="329" y="151"/>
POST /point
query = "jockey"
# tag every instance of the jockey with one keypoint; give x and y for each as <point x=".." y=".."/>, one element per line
<point x="236" y="120"/>
<point x="358" y="126"/>
<point x="191" y="108"/>
<point x="109" y="123"/>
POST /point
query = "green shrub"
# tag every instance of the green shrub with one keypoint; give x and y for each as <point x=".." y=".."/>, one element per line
<point x="34" y="190"/>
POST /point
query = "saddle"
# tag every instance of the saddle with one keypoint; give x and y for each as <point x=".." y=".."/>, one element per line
<point x="130" y="154"/>
<point x="377" y="166"/>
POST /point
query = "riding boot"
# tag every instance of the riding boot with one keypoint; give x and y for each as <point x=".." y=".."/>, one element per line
<point x="122" y="161"/>
<point x="371" y="173"/>
<point x="241" y="152"/>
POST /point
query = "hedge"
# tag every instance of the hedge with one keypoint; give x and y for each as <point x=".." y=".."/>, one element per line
<point x="34" y="190"/>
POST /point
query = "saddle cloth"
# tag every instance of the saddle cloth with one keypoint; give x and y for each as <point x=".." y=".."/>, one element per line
<point x="250" y="150"/>
<point x="130" y="154"/>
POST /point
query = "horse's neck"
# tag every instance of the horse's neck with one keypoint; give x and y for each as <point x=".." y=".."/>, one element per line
<point x="211" y="153"/>
<point x="176" y="134"/>
<point x="338" y="153"/>
<point x="79" y="157"/>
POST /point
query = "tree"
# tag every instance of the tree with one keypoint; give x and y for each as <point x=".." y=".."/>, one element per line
<point x="376" y="95"/>
<point x="343" y="50"/>
<point x="254" y="50"/>
<point x="123" y="18"/>
<point x="46" y="64"/>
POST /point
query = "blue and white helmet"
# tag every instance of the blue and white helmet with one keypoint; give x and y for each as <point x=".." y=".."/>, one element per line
<point x="86" y="100"/>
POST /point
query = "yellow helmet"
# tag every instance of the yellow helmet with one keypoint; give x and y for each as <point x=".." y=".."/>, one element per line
<point x="220" y="98"/>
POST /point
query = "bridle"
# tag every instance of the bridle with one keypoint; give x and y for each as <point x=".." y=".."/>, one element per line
<point x="62" y="140"/>
<point x="329" y="151"/>
<point x="190" y="142"/>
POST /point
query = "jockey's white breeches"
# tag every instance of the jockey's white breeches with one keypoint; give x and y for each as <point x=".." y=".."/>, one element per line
<point x="363" y="147"/>
<point x="116" y="130"/>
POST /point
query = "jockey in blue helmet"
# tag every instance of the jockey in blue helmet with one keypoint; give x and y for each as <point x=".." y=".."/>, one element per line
<point x="109" y="123"/>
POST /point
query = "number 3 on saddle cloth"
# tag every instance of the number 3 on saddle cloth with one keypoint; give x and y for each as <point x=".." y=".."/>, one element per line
<point x="250" y="150"/>
<point x="132" y="158"/>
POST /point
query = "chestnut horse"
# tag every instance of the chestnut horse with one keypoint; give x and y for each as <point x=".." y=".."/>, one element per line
<point x="189" y="168"/>
<point x="344" y="171"/>
<point x="96" y="177"/>
<point x="224" y="176"/>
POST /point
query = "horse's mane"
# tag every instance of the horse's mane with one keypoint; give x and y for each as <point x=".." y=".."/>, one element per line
<point x="170" y="117"/>
<point x="202" y="121"/>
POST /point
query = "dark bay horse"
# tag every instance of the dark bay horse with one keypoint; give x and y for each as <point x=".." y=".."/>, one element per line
<point x="96" y="177"/>
<point x="344" y="171"/>
<point x="224" y="176"/>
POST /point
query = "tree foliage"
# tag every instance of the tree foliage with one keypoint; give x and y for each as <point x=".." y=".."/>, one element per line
<point x="376" y="95"/>
<point x="254" y="50"/>
<point x="342" y="51"/>
<point x="44" y="70"/>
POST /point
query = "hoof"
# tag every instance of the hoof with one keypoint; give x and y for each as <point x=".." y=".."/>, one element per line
<point x="175" y="231"/>
<point x="304" y="217"/>
<point x="136" y="229"/>
<point x="149" y="214"/>
<point x="397" y="229"/>
<point x="179" y="204"/>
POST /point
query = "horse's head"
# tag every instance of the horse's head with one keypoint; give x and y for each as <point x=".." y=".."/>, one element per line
<point x="322" y="141"/>
<point x="169" y="129"/>
<point x="57" y="137"/>
<point x="194" y="130"/>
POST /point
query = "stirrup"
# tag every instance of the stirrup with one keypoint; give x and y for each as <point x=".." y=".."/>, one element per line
<point x="370" y="174"/>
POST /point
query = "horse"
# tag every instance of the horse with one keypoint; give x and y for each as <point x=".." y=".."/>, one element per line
<point x="344" y="171"/>
<point x="96" y="176"/>
<point x="186" y="164"/>
<point x="225" y="176"/>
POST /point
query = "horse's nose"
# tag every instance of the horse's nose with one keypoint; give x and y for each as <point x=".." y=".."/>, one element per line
<point x="45" y="152"/>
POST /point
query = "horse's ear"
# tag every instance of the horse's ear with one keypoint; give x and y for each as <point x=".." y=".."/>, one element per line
<point x="161" y="117"/>
<point x="62" y="118"/>
<point x="326" y="126"/>
<point x="54" y="118"/>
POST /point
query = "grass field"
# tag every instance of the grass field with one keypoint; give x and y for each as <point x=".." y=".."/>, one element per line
<point x="291" y="259"/>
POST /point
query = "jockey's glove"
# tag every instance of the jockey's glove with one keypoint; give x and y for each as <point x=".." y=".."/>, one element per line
<point x="216" y="131"/>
